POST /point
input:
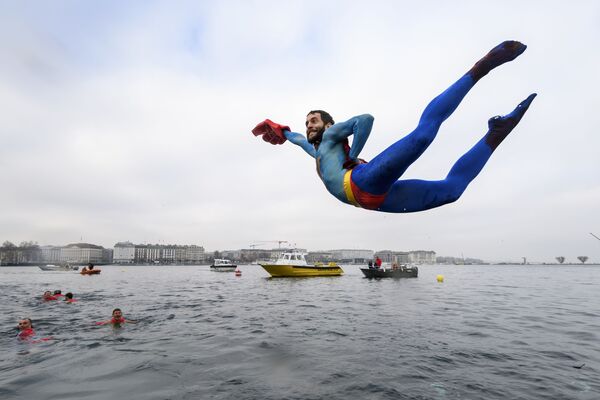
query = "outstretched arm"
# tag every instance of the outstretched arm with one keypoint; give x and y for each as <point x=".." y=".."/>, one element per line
<point x="359" y="126"/>
<point x="300" y="140"/>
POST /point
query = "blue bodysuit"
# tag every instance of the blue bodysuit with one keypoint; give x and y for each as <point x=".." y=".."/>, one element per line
<point x="377" y="185"/>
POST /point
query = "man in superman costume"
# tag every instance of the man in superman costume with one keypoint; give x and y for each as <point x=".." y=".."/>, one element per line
<point x="375" y="185"/>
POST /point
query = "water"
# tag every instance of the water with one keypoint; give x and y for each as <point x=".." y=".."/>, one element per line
<point x="487" y="332"/>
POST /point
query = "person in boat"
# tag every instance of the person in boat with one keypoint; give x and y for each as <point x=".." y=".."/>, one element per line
<point x="48" y="296"/>
<point x="69" y="298"/>
<point x="370" y="264"/>
<point x="375" y="185"/>
<point x="378" y="262"/>
<point x="117" y="319"/>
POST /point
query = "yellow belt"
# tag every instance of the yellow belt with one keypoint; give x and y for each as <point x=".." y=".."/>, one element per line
<point x="348" y="188"/>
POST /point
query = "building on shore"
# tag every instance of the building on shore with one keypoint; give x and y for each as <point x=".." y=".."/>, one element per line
<point x="51" y="254"/>
<point x="129" y="253"/>
<point x="405" y="257"/>
<point x="319" y="256"/>
<point x="422" y="257"/>
<point x="124" y="253"/>
<point x="351" y="256"/>
<point x="84" y="253"/>
<point x="393" y="257"/>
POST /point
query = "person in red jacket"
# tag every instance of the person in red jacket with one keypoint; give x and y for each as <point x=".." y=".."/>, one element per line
<point x="378" y="262"/>
<point x="48" y="296"/>
<point x="26" y="332"/>
<point x="25" y="329"/>
<point x="69" y="298"/>
<point x="117" y="319"/>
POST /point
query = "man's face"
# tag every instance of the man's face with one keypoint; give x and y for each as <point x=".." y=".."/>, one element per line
<point x="315" y="127"/>
<point x="24" y="324"/>
<point x="117" y="314"/>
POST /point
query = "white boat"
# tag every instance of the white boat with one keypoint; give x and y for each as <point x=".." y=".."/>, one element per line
<point x="52" y="267"/>
<point x="292" y="263"/>
<point x="223" y="265"/>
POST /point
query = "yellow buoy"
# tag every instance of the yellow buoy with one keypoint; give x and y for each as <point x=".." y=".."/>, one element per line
<point x="440" y="278"/>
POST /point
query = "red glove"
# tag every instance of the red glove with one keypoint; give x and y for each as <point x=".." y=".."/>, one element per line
<point x="272" y="132"/>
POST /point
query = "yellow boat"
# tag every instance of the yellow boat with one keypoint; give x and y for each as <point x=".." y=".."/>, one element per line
<point x="293" y="264"/>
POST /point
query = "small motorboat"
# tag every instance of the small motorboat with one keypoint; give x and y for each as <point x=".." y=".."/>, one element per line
<point x="400" y="271"/>
<point x="223" y="265"/>
<point x="292" y="263"/>
<point x="52" y="267"/>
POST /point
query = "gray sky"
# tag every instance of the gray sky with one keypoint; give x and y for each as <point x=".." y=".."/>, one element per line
<point x="131" y="121"/>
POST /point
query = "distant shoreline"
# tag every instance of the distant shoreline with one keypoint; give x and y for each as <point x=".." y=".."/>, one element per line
<point x="206" y="265"/>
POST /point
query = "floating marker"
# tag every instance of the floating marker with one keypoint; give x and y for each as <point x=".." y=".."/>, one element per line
<point x="440" y="278"/>
<point x="238" y="272"/>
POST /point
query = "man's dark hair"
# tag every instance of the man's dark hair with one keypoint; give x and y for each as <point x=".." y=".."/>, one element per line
<point x="116" y="309"/>
<point x="57" y="292"/>
<point x="69" y="295"/>
<point x="325" y="117"/>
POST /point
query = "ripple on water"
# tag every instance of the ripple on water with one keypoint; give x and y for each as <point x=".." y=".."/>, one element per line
<point x="485" y="333"/>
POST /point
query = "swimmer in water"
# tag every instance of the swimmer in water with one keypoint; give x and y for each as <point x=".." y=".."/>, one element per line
<point x="58" y="293"/>
<point x="26" y="332"/>
<point x="117" y="319"/>
<point x="48" y="296"/>
<point x="69" y="298"/>
<point x="25" y="327"/>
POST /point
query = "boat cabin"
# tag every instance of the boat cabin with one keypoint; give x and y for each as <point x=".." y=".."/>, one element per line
<point x="291" y="258"/>
<point x="221" y="262"/>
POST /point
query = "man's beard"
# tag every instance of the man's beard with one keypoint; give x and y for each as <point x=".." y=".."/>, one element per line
<point x="316" y="138"/>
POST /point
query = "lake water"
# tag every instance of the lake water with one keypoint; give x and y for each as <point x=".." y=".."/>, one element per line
<point x="486" y="332"/>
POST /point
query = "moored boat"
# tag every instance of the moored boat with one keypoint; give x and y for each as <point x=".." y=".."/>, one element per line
<point x="52" y="267"/>
<point x="401" y="271"/>
<point x="223" y="265"/>
<point x="292" y="263"/>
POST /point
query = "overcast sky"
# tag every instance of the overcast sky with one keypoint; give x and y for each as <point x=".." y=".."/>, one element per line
<point x="131" y="121"/>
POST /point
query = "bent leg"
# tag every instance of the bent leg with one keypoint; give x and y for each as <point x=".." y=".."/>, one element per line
<point x="385" y="169"/>
<point x="417" y="195"/>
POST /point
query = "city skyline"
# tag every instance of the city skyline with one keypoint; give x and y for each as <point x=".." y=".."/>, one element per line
<point x="559" y="258"/>
<point x="133" y="120"/>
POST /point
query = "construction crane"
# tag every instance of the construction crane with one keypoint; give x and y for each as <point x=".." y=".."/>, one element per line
<point x="263" y="242"/>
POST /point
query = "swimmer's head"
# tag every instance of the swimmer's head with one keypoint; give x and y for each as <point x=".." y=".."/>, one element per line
<point x="57" y="292"/>
<point x="68" y="296"/>
<point x="25" y="323"/>
<point x="117" y="313"/>
<point x="317" y="121"/>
